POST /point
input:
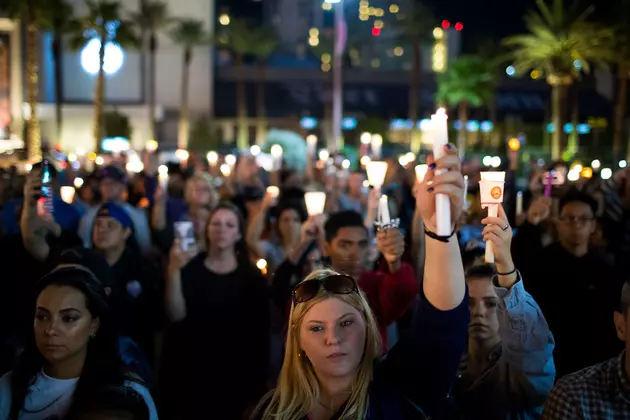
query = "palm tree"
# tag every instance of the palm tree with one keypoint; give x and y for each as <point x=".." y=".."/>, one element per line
<point x="152" y="17"/>
<point x="560" y="45"/>
<point x="264" y="45"/>
<point x="188" y="33"/>
<point x="416" y="29"/>
<point x="104" y="23"/>
<point x="60" y="23"/>
<point x="465" y="84"/>
<point x="32" y="13"/>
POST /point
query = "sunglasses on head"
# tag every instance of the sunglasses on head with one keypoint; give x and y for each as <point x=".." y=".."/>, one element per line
<point x="338" y="284"/>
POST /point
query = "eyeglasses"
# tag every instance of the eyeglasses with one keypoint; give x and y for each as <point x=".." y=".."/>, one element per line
<point x="577" y="219"/>
<point x="338" y="284"/>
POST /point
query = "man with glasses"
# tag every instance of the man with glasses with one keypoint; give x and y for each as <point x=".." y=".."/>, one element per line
<point x="575" y="286"/>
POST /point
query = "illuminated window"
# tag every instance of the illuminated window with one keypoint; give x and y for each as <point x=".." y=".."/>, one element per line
<point x="325" y="67"/>
<point x="326" y="6"/>
<point x="398" y="51"/>
<point x="378" y="24"/>
<point x="393" y="8"/>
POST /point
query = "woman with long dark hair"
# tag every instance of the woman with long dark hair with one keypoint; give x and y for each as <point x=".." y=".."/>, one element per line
<point x="216" y="349"/>
<point x="73" y="353"/>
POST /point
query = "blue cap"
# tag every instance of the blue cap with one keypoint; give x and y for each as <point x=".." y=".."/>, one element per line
<point x="117" y="212"/>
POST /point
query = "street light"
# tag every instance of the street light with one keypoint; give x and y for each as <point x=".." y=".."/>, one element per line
<point x="224" y="19"/>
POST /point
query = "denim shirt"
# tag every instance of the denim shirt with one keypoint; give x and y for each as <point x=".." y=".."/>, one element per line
<point x="520" y="372"/>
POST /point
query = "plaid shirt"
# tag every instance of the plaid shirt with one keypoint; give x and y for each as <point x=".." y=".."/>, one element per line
<point x="600" y="392"/>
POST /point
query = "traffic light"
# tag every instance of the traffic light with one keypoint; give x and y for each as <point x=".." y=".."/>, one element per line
<point x="376" y="31"/>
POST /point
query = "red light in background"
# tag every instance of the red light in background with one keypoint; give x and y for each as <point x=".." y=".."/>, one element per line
<point x="58" y="148"/>
<point x="376" y="31"/>
<point x="446" y="24"/>
<point x="63" y="165"/>
<point x="459" y="26"/>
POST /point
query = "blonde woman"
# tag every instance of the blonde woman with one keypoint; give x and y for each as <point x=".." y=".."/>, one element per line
<point x="333" y="367"/>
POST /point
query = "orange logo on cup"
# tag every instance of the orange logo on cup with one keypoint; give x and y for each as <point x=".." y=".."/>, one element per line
<point x="496" y="193"/>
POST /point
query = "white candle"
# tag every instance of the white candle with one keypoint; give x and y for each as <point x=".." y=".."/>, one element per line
<point x="163" y="177"/>
<point x="276" y="153"/>
<point x="67" y="194"/>
<point x="383" y="210"/>
<point x="519" y="203"/>
<point x="421" y="171"/>
<point x="213" y="158"/>
<point x="273" y="191"/>
<point x="377" y="144"/>
<point x="231" y="161"/>
<point x="315" y="202"/>
<point x="493" y="211"/>
<point x="440" y="139"/>
<point x="376" y="172"/>
<point x="311" y="142"/>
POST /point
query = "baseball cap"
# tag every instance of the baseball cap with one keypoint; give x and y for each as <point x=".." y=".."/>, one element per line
<point x="114" y="173"/>
<point x="116" y="212"/>
<point x="87" y="263"/>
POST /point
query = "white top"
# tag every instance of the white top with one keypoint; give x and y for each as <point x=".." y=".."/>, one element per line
<point x="50" y="398"/>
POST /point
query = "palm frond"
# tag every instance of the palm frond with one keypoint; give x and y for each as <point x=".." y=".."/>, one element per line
<point x="190" y="33"/>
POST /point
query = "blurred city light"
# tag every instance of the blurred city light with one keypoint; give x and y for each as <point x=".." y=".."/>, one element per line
<point x="438" y="33"/>
<point x="623" y="163"/>
<point x="535" y="74"/>
<point x="486" y="126"/>
<point x="606" y="173"/>
<point x="398" y="51"/>
<point x="332" y="1"/>
<point x="78" y="182"/>
<point x="577" y="64"/>
<point x="326" y="58"/>
<point x="446" y="24"/>
<point x="510" y="71"/>
<point x="459" y="26"/>
<point x="181" y="154"/>
<point x="325" y="67"/>
<point x="378" y="24"/>
<point x="114" y="57"/>
<point x="495" y="161"/>
<point x="313" y="32"/>
<point x="345" y="164"/>
<point x="486" y="160"/>
<point x="327" y="6"/>
<point x="254" y="150"/>
<point x="308" y="123"/>
<point x="231" y="159"/>
<point x="573" y="175"/>
<point x="596" y="164"/>
<point x="393" y="8"/>
<point x="366" y="138"/>
<point x="587" y="172"/>
<point x="376" y="31"/>
<point x="224" y="19"/>
<point x="514" y="144"/>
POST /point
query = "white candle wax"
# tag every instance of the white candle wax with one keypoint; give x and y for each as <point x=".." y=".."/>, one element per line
<point x="519" y="203"/>
<point x="440" y="139"/>
<point x="466" y="192"/>
<point x="377" y="144"/>
<point x="383" y="210"/>
<point x="493" y="211"/>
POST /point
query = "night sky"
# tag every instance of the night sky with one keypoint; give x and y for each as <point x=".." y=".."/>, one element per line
<point x="483" y="19"/>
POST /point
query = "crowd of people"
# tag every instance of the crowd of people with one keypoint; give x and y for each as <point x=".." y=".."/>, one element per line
<point x="266" y="312"/>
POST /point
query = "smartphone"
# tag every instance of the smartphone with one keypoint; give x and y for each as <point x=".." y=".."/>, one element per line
<point x="45" y="202"/>
<point x="185" y="232"/>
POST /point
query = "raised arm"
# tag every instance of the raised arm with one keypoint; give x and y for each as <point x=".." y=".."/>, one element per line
<point x="35" y="228"/>
<point x="174" y="294"/>
<point x="256" y="226"/>
<point x="424" y="366"/>
<point x="526" y="361"/>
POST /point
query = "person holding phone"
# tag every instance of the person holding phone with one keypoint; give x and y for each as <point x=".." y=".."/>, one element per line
<point x="219" y="334"/>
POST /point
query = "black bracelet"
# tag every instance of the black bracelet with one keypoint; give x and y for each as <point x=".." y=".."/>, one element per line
<point x="435" y="236"/>
<point x="507" y="274"/>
